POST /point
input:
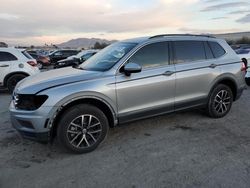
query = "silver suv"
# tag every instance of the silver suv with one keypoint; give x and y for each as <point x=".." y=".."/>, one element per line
<point x="127" y="81"/>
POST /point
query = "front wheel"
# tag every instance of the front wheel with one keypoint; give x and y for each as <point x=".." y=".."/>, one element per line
<point x="82" y="128"/>
<point x="220" y="101"/>
<point x="13" y="80"/>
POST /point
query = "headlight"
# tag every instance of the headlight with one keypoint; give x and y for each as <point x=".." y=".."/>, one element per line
<point x="28" y="102"/>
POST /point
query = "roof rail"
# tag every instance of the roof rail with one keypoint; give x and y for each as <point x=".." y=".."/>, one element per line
<point x="175" y="35"/>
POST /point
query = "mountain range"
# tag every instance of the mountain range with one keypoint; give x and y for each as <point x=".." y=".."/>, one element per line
<point x="83" y="43"/>
<point x="90" y="42"/>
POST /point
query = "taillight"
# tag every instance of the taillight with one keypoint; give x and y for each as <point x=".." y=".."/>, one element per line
<point x="32" y="63"/>
<point x="243" y="67"/>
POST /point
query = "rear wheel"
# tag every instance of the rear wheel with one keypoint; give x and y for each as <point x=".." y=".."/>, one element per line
<point x="82" y="128"/>
<point x="220" y="101"/>
<point x="13" y="80"/>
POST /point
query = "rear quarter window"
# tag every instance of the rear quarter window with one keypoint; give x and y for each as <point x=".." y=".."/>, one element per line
<point x="6" y="56"/>
<point x="27" y="55"/>
<point x="217" y="49"/>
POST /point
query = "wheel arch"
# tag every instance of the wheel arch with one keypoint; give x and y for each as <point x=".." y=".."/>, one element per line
<point x="97" y="102"/>
<point x="228" y="81"/>
<point x="11" y="74"/>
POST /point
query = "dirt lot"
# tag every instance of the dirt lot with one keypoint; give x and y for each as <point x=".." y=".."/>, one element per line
<point x="186" y="149"/>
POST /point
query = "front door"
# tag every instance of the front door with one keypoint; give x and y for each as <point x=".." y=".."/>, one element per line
<point x="151" y="91"/>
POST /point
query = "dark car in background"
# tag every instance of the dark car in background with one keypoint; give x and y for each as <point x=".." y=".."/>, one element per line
<point x="75" y="59"/>
<point x="61" y="54"/>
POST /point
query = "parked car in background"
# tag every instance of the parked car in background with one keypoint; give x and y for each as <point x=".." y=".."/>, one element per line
<point x="126" y="81"/>
<point x="42" y="61"/>
<point x="245" y="55"/>
<point x="58" y="55"/>
<point x="15" y="65"/>
<point x="75" y="59"/>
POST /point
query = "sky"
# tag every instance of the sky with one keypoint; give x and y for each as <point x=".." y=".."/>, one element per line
<point x="36" y="22"/>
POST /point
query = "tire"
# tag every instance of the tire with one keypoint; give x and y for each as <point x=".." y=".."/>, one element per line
<point x="220" y="101"/>
<point x="13" y="80"/>
<point x="78" y="137"/>
<point x="248" y="81"/>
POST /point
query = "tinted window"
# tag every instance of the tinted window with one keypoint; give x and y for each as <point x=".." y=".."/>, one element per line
<point x="186" y="51"/>
<point x="152" y="55"/>
<point x="70" y="52"/>
<point x="208" y="50"/>
<point x="217" y="50"/>
<point x="26" y="54"/>
<point x="6" y="56"/>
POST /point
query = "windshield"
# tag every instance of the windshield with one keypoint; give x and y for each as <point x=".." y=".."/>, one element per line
<point x="108" y="57"/>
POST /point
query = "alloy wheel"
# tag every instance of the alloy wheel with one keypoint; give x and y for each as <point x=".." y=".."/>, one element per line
<point x="84" y="131"/>
<point x="222" y="102"/>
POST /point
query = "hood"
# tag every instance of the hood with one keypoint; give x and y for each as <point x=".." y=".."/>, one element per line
<point x="36" y="83"/>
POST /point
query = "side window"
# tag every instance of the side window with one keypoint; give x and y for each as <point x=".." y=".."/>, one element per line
<point x="186" y="51"/>
<point x="152" y="55"/>
<point x="58" y="53"/>
<point x="208" y="50"/>
<point x="217" y="50"/>
<point x="6" y="56"/>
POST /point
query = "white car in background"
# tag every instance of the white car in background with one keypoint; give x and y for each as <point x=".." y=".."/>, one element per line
<point x="245" y="54"/>
<point x="15" y="65"/>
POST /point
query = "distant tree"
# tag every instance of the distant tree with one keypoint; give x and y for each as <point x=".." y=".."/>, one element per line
<point x="100" y="45"/>
<point x="243" y="40"/>
<point x="3" y="44"/>
<point x="55" y="46"/>
<point x="32" y="46"/>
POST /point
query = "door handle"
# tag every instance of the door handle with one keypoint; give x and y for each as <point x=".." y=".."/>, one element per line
<point x="4" y="65"/>
<point x="168" y="73"/>
<point x="212" y="66"/>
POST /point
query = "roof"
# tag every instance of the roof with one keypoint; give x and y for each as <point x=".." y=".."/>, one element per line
<point x="143" y="39"/>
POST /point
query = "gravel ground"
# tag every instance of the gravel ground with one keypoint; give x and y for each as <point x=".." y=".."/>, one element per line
<point x="185" y="149"/>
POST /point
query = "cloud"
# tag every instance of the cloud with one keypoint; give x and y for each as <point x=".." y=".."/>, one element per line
<point x="225" y="6"/>
<point x="179" y="1"/>
<point x="62" y="17"/>
<point x="207" y="31"/>
<point x="220" y="18"/>
<point x="245" y="19"/>
<point x="239" y="12"/>
<point x="9" y="17"/>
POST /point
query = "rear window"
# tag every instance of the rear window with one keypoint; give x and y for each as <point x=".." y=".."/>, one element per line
<point x="6" y="56"/>
<point x="217" y="50"/>
<point x="26" y="54"/>
<point x="186" y="51"/>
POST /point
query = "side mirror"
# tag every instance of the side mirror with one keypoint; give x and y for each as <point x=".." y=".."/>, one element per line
<point x="132" y="68"/>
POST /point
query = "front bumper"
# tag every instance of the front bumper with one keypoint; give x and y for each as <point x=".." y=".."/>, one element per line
<point x="31" y="124"/>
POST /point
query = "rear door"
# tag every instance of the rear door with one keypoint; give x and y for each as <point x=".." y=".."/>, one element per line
<point x="6" y="60"/>
<point x="151" y="91"/>
<point x="196" y="69"/>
